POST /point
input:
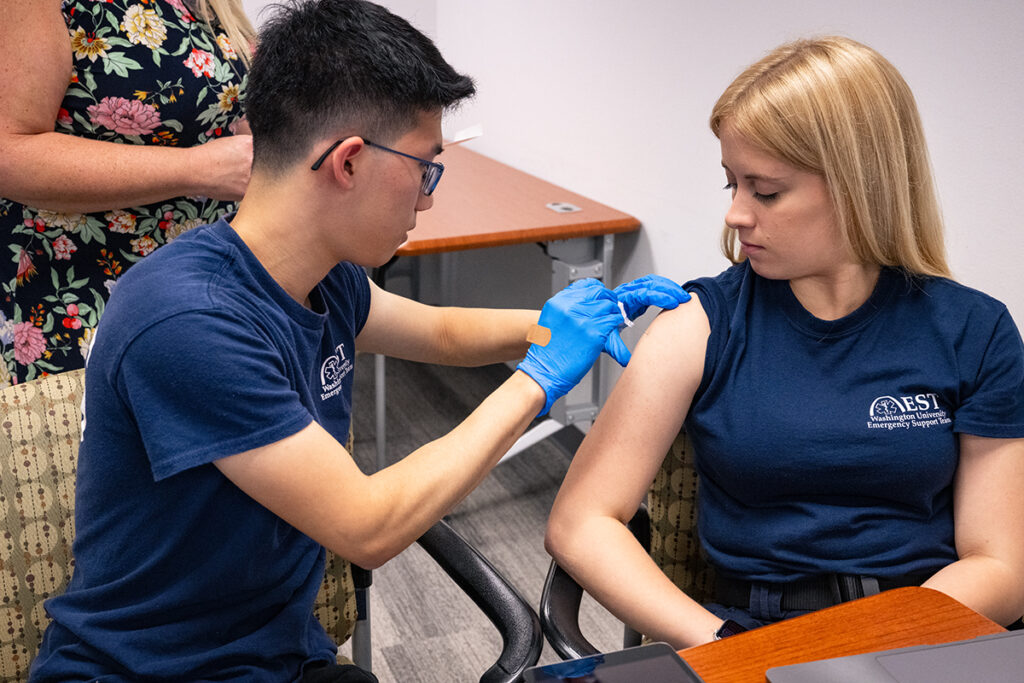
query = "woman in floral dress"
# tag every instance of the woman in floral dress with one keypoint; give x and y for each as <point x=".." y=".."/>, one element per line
<point x="120" y="128"/>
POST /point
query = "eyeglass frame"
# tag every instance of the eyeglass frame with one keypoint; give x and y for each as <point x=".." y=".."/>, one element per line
<point x="431" y="176"/>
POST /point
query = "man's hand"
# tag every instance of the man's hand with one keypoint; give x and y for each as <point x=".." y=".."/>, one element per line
<point x="650" y="290"/>
<point x="584" y="319"/>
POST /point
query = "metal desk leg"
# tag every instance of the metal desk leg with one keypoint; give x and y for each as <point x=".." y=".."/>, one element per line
<point x="380" y="405"/>
<point x="379" y="276"/>
<point x="573" y="260"/>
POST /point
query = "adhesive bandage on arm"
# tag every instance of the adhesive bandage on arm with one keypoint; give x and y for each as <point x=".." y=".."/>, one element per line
<point x="538" y="334"/>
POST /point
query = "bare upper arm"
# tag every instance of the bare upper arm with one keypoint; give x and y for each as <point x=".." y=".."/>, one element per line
<point x="988" y="502"/>
<point x="36" y="68"/>
<point x="625" y="447"/>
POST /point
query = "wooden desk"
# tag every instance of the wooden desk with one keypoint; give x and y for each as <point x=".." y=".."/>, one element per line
<point x="484" y="203"/>
<point x="481" y="203"/>
<point x="898" y="618"/>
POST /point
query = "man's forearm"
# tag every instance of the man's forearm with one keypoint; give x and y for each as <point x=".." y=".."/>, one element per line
<point x="311" y="482"/>
<point x="475" y="336"/>
<point x="420" y="489"/>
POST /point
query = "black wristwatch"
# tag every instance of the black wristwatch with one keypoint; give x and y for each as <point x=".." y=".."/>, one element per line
<point x="728" y="628"/>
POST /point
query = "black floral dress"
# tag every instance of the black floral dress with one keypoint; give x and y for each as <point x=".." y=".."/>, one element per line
<point x="146" y="72"/>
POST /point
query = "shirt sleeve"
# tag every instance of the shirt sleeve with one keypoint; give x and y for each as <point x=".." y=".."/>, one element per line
<point x="992" y="402"/>
<point x="204" y="385"/>
<point x="360" y="293"/>
<point x="718" y="296"/>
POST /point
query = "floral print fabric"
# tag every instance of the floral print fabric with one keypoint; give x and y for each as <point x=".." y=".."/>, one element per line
<point x="145" y="72"/>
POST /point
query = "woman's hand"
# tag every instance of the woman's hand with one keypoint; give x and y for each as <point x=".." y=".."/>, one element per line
<point x="221" y="167"/>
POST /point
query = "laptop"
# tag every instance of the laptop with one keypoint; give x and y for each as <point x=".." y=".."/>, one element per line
<point x="996" y="658"/>
<point x="654" y="663"/>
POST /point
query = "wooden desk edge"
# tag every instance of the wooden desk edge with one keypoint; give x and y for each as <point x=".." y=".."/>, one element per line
<point x="416" y="247"/>
<point x="846" y="629"/>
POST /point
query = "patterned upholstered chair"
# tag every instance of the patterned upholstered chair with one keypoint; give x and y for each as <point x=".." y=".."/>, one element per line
<point x="39" y="435"/>
<point x="39" y="429"/>
<point x="666" y="527"/>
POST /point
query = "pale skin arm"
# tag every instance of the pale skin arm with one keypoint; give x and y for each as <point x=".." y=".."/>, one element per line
<point x="988" y="507"/>
<point x="467" y="337"/>
<point x="610" y="475"/>
<point x="50" y="170"/>
<point x="311" y="481"/>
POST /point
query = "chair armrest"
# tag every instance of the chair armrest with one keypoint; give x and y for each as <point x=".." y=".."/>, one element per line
<point x="561" y="597"/>
<point x="560" y="612"/>
<point x="509" y="612"/>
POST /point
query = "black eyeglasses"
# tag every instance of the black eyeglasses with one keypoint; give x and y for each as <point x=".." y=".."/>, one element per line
<point x="432" y="170"/>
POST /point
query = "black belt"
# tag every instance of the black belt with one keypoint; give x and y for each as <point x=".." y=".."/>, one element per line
<point x="811" y="594"/>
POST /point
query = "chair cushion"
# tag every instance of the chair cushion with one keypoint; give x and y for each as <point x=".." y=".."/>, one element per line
<point x="39" y="434"/>
<point x="335" y="604"/>
<point x="672" y="502"/>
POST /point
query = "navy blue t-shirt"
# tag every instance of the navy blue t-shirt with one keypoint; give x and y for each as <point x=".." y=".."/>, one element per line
<point x="830" y="446"/>
<point x="179" y="575"/>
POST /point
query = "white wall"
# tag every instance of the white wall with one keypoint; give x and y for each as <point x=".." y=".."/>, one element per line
<point x="420" y="13"/>
<point x="610" y="99"/>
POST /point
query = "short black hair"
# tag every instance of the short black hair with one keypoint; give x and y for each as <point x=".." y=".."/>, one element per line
<point x="324" y="67"/>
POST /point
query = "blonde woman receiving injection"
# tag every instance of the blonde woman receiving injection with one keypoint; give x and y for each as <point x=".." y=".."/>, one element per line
<point x="855" y="413"/>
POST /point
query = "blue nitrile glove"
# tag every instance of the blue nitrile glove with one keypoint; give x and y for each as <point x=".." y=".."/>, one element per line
<point x="584" y="318"/>
<point x="650" y="290"/>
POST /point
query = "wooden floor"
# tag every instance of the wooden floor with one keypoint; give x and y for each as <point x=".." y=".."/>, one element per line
<point x="424" y="628"/>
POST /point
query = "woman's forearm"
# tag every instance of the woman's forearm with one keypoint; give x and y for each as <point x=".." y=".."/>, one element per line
<point x="986" y="585"/>
<point x="604" y="557"/>
<point x="48" y="170"/>
<point x="69" y="174"/>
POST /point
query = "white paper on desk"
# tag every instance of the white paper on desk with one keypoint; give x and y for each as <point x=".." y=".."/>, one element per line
<point x="466" y="134"/>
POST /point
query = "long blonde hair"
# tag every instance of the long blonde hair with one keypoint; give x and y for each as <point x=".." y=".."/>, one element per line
<point x="233" y="19"/>
<point x="835" y="107"/>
